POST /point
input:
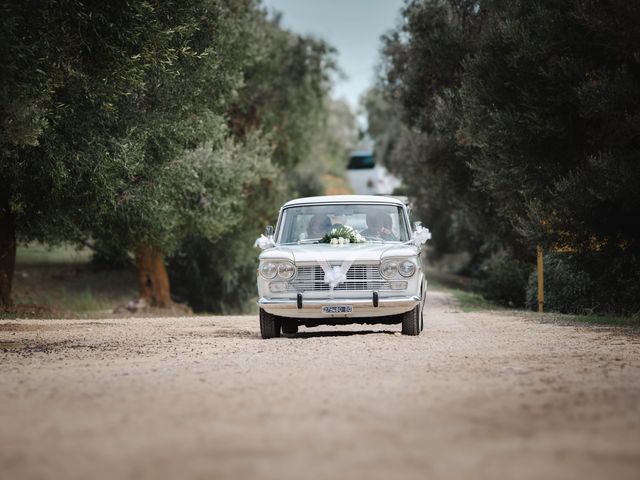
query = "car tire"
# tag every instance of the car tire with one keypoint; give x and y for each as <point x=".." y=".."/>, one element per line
<point x="289" y="327"/>
<point x="278" y="321"/>
<point x="422" y="304"/>
<point x="411" y="322"/>
<point x="269" y="325"/>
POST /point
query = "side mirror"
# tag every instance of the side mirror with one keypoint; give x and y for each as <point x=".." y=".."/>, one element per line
<point x="265" y="241"/>
<point x="268" y="231"/>
<point x="417" y="225"/>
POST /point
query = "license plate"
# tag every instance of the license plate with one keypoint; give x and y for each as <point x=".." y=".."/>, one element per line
<point x="337" y="309"/>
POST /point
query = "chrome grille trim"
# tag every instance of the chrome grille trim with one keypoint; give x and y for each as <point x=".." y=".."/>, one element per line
<point x="360" y="277"/>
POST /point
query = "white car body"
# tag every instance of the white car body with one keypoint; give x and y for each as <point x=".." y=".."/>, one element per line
<point x="366" y="294"/>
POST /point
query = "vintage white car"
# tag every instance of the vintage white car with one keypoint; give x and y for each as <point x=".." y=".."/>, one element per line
<point x="341" y="259"/>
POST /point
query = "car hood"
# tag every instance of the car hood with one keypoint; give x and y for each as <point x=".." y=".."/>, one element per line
<point x="364" y="252"/>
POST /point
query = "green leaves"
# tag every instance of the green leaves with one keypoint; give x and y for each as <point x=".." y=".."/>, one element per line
<point x="283" y="90"/>
<point x="99" y="101"/>
<point x="527" y="114"/>
<point x="152" y="123"/>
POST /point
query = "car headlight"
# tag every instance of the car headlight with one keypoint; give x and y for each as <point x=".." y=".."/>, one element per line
<point x="407" y="268"/>
<point x="286" y="271"/>
<point x="389" y="268"/>
<point x="268" y="270"/>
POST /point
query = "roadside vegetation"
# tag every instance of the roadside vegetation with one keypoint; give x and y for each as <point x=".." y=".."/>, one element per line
<point x="627" y="322"/>
<point x="466" y="293"/>
<point x="159" y="137"/>
<point x="514" y="125"/>
<point x="65" y="282"/>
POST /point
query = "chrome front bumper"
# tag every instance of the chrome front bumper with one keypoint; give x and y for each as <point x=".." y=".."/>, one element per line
<point x="362" y="307"/>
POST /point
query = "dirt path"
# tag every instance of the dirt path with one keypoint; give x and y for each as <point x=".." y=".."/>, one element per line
<point x="477" y="395"/>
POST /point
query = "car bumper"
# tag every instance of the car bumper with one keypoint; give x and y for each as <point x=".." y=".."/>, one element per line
<point x="362" y="307"/>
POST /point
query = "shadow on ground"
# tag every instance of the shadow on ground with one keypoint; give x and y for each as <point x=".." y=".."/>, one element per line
<point x="337" y="333"/>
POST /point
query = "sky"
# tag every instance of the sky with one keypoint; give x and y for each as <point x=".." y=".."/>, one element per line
<point x="353" y="27"/>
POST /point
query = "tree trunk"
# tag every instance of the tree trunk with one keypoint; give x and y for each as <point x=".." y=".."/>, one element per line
<point x="153" y="280"/>
<point x="7" y="253"/>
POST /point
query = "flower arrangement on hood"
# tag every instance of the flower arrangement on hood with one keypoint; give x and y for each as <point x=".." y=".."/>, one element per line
<point x="342" y="236"/>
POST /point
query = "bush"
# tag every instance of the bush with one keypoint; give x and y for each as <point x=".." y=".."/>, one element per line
<point x="213" y="268"/>
<point x="567" y="288"/>
<point x="588" y="283"/>
<point x="215" y="276"/>
<point x="505" y="280"/>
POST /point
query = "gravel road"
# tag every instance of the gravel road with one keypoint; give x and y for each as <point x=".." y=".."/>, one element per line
<point x="477" y="395"/>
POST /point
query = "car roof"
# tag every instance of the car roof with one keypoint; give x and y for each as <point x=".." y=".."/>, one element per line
<point x="344" y="199"/>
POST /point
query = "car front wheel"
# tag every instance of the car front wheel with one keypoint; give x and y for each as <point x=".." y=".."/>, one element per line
<point x="422" y="304"/>
<point x="269" y="325"/>
<point x="411" y="321"/>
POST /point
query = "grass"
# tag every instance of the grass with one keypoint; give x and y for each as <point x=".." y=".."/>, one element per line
<point x="632" y="322"/>
<point x="463" y="290"/>
<point x="37" y="254"/>
<point x="473" y="302"/>
<point x="82" y="300"/>
<point x="62" y="282"/>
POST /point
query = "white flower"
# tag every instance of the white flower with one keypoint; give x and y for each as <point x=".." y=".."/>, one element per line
<point x="347" y="241"/>
<point x="341" y="241"/>
<point x="334" y="241"/>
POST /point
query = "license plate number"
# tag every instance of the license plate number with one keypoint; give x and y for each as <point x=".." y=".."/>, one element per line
<point x="337" y="309"/>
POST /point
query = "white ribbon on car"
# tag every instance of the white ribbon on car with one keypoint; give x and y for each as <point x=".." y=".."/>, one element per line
<point x="334" y="275"/>
<point x="420" y="236"/>
<point x="263" y="242"/>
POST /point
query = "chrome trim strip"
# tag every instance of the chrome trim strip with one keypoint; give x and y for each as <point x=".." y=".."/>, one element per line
<point x="318" y="302"/>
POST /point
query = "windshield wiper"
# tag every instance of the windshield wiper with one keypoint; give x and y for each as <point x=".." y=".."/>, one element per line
<point x="300" y="242"/>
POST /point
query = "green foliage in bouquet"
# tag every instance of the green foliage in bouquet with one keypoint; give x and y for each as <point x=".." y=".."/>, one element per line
<point x="346" y="233"/>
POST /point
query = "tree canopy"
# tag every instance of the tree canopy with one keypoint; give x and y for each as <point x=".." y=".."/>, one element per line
<point x="522" y="128"/>
<point x="137" y="127"/>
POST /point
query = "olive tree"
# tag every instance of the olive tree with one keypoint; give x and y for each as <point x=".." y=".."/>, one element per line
<point x="523" y="128"/>
<point x="97" y="101"/>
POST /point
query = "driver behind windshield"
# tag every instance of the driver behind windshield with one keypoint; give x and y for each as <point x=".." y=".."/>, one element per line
<point x="379" y="226"/>
<point x="318" y="226"/>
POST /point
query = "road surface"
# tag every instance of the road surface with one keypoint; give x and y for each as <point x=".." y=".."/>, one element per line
<point x="478" y="395"/>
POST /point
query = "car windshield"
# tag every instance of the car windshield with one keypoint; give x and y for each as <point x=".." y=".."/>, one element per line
<point x="309" y="223"/>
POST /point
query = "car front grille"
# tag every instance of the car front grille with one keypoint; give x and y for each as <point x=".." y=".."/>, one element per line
<point x="359" y="277"/>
